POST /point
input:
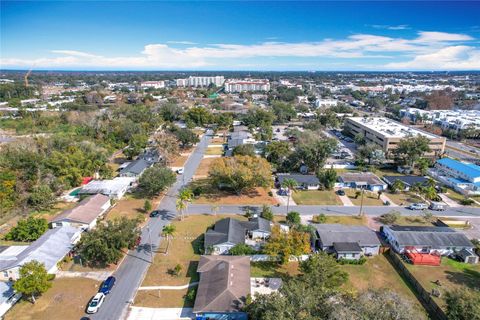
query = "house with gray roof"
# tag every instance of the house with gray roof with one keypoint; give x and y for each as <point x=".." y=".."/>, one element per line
<point x="304" y="181"/>
<point x="408" y="181"/>
<point x="442" y="240"/>
<point x="135" y="168"/>
<point x="49" y="249"/>
<point x="229" y="232"/>
<point x="85" y="214"/>
<point x="223" y="287"/>
<point x="361" y="180"/>
<point x="345" y="241"/>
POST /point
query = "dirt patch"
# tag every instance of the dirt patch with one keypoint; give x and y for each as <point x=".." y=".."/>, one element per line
<point x="204" y="166"/>
<point x="257" y="196"/>
<point x="66" y="299"/>
<point x="179" y="161"/>
<point x="163" y="299"/>
<point x="131" y="207"/>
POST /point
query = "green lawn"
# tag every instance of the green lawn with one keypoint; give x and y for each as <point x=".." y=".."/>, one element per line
<point x="404" y="198"/>
<point x="316" y="197"/>
<point x="378" y="273"/>
<point x="369" y="198"/>
<point x="457" y="197"/>
<point x="265" y="269"/>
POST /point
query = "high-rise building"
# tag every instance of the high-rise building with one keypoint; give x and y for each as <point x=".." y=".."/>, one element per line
<point x="235" y="85"/>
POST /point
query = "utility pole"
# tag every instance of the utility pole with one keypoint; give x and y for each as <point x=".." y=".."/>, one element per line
<point x="151" y="244"/>
<point x="361" y="204"/>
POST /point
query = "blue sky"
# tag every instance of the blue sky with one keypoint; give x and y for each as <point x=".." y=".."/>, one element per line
<point x="142" y="35"/>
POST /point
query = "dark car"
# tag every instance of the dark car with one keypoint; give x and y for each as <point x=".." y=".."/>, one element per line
<point x="341" y="192"/>
<point x="154" y="213"/>
<point x="107" y="285"/>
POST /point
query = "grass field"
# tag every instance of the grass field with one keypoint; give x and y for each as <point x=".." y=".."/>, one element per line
<point x="185" y="249"/>
<point x="204" y="166"/>
<point x="350" y="220"/>
<point x="369" y="198"/>
<point x="404" y="198"/>
<point x="316" y="197"/>
<point x="451" y="274"/>
<point x="179" y="161"/>
<point x="212" y="195"/>
<point x="131" y="206"/>
<point x="267" y="269"/>
<point x="66" y="299"/>
<point x="457" y="197"/>
<point x="378" y="273"/>
<point x="215" y="151"/>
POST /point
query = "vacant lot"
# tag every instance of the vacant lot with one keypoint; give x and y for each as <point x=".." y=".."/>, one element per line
<point x="66" y="299"/>
<point x="316" y="197"/>
<point x="185" y="249"/>
<point x="350" y="220"/>
<point x="214" y="151"/>
<point x="179" y="161"/>
<point x="378" y="273"/>
<point x="273" y="269"/>
<point x="369" y="198"/>
<point x="403" y="198"/>
<point x="131" y="206"/>
<point x="202" y="170"/>
<point x="211" y="195"/>
<point x="451" y="274"/>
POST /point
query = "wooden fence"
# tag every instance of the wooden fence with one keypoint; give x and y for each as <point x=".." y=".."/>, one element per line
<point x="424" y="296"/>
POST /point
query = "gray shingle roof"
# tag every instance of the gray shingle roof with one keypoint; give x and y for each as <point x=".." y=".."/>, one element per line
<point x="136" y="167"/>
<point x="331" y="233"/>
<point x="224" y="283"/>
<point x="360" y="178"/>
<point x="435" y="237"/>
<point x="347" y="247"/>
<point x="86" y="211"/>
<point x="407" y="180"/>
<point x="300" y="178"/>
<point x="234" y="231"/>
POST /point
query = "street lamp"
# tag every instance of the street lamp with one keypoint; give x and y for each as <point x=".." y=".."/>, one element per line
<point x="151" y="244"/>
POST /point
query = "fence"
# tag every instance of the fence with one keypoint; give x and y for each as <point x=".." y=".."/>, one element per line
<point x="427" y="301"/>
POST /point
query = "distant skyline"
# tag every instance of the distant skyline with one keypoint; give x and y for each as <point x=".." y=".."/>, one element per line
<point x="263" y="36"/>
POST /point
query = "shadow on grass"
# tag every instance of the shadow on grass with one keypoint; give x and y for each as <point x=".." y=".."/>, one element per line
<point x="269" y="269"/>
<point x="469" y="278"/>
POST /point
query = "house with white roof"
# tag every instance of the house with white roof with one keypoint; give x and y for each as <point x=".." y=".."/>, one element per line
<point x="49" y="249"/>
<point x="114" y="188"/>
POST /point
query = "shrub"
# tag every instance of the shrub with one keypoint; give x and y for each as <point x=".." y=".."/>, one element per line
<point x="267" y="213"/>
<point x="360" y="261"/>
<point x="466" y="202"/>
<point x="197" y="191"/>
<point x="242" y="250"/>
<point x="270" y="193"/>
<point x="191" y="294"/>
<point x="390" y="217"/>
<point x="321" y="218"/>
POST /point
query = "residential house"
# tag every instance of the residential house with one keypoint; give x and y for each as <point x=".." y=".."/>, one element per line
<point x="8" y="296"/>
<point x="135" y="168"/>
<point x="85" y="214"/>
<point x="223" y="287"/>
<point x="440" y="240"/>
<point x="462" y="176"/>
<point x="49" y="249"/>
<point x="229" y="232"/>
<point x="151" y="155"/>
<point x="304" y="181"/>
<point x="345" y="241"/>
<point x="114" y="188"/>
<point x="362" y="180"/>
<point x="408" y="181"/>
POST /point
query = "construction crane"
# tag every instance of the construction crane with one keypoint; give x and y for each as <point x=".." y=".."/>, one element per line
<point x="26" y="77"/>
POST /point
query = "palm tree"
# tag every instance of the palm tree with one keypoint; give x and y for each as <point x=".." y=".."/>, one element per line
<point x="181" y="206"/>
<point x="167" y="232"/>
<point x="290" y="184"/>
<point x="184" y="196"/>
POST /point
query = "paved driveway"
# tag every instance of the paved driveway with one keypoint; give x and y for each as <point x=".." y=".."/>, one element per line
<point x="133" y="269"/>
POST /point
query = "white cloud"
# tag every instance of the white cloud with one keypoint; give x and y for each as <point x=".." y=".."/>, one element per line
<point x="397" y="27"/>
<point x="433" y="50"/>
<point x="182" y="42"/>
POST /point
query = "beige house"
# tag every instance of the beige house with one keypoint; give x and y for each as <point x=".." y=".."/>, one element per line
<point x="387" y="133"/>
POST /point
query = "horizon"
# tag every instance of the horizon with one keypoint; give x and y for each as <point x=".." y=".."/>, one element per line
<point x="101" y="36"/>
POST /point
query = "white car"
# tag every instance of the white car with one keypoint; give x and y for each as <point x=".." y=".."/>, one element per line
<point x="180" y="171"/>
<point x="95" y="303"/>
<point x="418" y="206"/>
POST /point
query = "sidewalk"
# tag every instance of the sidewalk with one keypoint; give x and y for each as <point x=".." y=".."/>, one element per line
<point x="141" y="313"/>
<point x="448" y="201"/>
<point x="95" y="275"/>
<point x="169" y="287"/>
<point x="384" y="198"/>
<point x="282" y="199"/>
<point x="346" y="201"/>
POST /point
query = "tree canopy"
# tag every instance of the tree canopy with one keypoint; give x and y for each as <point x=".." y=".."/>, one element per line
<point x="34" y="280"/>
<point x="156" y="179"/>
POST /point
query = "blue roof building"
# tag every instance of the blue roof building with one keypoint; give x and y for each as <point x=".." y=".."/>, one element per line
<point x="462" y="176"/>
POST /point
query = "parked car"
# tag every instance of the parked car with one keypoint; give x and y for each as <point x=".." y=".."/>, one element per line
<point x="95" y="303"/>
<point x="154" y="213"/>
<point x="341" y="192"/>
<point x="180" y="171"/>
<point x="418" y="206"/>
<point x="107" y="285"/>
<point x="437" y="206"/>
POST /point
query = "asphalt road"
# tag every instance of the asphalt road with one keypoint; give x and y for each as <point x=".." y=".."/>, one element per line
<point x="334" y="210"/>
<point x="131" y="272"/>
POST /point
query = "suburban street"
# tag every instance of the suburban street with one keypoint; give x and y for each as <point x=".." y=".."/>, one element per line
<point x="334" y="210"/>
<point x="131" y="272"/>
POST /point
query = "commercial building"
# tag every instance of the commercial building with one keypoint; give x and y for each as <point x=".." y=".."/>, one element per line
<point x="235" y="85"/>
<point x="201" y="81"/>
<point x="387" y="134"/>
<point x="326" y="103"/>
<point x="455" y="120"/>
<point x="462" y="176"/>
<point x="153" y="84"/>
